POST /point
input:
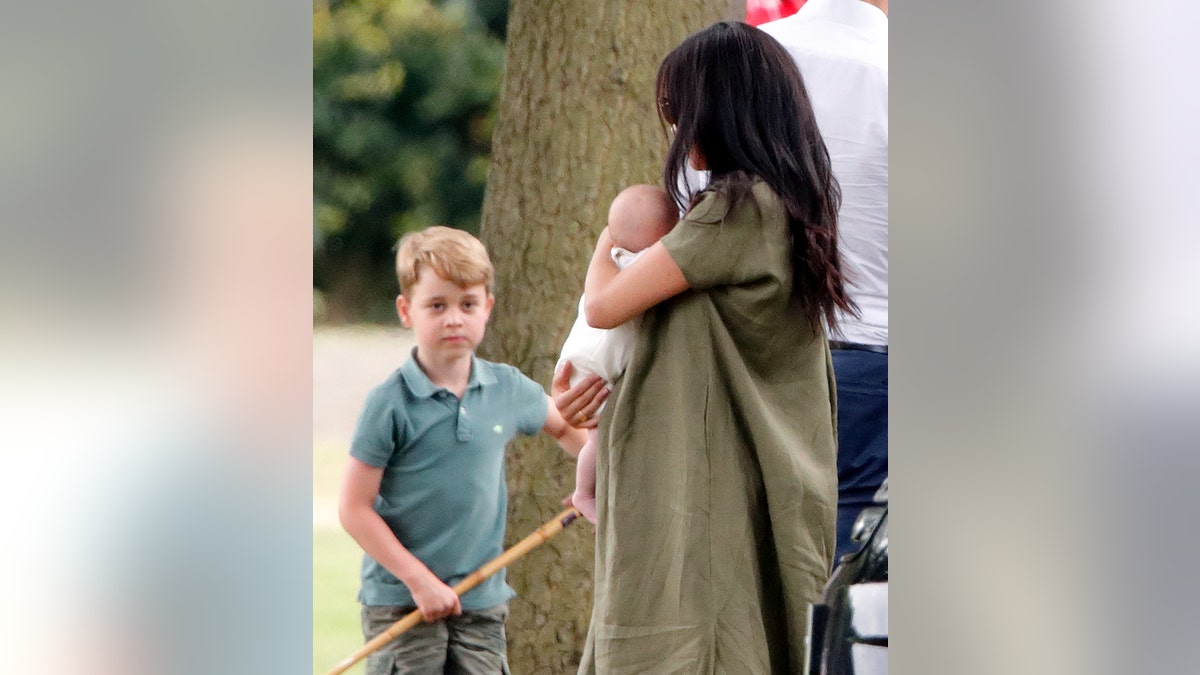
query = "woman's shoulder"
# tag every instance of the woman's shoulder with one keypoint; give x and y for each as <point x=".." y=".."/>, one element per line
<point x="757" y="207"/>
<point x="710" y="208"/>
<point x="722" y="203"/>
<point x="765" y="198"/>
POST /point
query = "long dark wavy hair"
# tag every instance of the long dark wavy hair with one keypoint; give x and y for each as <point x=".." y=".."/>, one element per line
<point x="734" y="94"/>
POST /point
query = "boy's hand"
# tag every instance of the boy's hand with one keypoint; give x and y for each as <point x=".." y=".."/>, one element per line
<point x="436" y="600"/>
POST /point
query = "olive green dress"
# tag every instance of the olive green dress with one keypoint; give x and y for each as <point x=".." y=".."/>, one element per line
<point x="716" y="476"/>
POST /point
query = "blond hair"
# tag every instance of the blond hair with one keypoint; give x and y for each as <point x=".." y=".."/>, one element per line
<point x="452" y="254"/>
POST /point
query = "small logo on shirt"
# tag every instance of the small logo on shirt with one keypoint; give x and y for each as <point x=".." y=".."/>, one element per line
<point x="498" y="429"/>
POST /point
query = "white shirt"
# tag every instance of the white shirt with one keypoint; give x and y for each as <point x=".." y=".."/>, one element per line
<point x="841" y="47"/>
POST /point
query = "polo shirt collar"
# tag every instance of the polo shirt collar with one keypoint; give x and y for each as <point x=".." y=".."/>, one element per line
<point x="856" y="13"/>
<point x="422" y="387"/>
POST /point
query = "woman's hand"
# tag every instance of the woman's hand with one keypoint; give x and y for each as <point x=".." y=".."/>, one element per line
<point x="578" y="404"/>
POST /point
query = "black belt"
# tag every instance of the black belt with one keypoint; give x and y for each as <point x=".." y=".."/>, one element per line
<point x="857" y="347"/>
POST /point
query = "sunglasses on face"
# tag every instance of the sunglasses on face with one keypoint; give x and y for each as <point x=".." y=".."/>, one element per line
<point x="664" y="109"/>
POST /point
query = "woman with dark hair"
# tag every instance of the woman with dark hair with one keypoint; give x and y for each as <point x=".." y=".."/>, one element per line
<point x="717" y="481"/>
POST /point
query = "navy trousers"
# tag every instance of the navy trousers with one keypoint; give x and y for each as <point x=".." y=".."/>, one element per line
<point x="862" y="398"/>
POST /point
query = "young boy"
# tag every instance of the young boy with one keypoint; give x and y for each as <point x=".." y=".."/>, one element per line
<point x="639" y="216"/>
<point x="423" y="491"/>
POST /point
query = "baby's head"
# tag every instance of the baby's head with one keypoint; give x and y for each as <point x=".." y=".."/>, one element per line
<point x="640" y="216"/>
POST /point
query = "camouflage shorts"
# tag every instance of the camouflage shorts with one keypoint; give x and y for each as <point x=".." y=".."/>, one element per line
<point x="471" y="644"/>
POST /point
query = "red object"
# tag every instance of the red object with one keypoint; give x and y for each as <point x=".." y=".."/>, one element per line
<point x="759" y="12"/>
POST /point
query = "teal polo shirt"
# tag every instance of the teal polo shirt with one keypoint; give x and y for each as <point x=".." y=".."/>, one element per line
<point x="443" y="492"/>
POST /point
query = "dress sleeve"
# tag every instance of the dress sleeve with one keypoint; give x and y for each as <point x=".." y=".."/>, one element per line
<point x="377" y="436"/>
<point x="715" y="244"/>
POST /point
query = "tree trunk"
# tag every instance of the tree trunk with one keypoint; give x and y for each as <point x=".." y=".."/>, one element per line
<point x="577" y="123"/>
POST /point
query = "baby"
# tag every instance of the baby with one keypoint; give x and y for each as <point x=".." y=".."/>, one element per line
<point x="639" y="216"/>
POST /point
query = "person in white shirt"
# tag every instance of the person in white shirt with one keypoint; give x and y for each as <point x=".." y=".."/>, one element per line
<point x="841" y="48"/>
<point x="638" y="217"/>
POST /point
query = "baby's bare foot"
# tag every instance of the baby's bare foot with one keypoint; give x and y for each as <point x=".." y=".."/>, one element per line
<point x="586" y="505"/>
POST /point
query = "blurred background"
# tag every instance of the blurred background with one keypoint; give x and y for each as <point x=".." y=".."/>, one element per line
<point x="404" y="104"/>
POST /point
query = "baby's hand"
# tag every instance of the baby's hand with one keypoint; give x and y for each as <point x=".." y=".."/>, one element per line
<point x="436" y="600"/>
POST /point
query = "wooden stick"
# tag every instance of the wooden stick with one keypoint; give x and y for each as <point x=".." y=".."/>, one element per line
<point x="540" y="535"/>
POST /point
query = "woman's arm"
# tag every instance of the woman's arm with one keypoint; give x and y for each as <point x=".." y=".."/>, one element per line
<point x="613" y="296"/>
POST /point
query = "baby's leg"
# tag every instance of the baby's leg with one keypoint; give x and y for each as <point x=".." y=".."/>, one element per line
<point x="584" y="498"/>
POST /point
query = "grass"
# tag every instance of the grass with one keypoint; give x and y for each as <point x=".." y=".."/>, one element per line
<point x="336" y="558"/>
<point x="336" y="627"/>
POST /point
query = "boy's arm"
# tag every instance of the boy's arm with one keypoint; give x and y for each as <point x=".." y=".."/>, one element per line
<point x="356" y="510"/>
<point x="570" y="438"/>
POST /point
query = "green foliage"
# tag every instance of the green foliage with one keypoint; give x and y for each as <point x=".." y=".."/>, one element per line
<point x="404" y="102"/>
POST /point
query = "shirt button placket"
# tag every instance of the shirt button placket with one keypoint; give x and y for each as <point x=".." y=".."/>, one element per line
<point x="463" y="425"/>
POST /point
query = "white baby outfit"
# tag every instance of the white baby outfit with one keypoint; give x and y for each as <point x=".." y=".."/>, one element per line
<point x="604" y="352"/>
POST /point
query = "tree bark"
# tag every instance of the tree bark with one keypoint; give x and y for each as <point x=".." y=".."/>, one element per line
<point x="577" y="123"/>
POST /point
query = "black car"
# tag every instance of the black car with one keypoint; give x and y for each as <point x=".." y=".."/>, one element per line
<point x="848" y="629"/>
